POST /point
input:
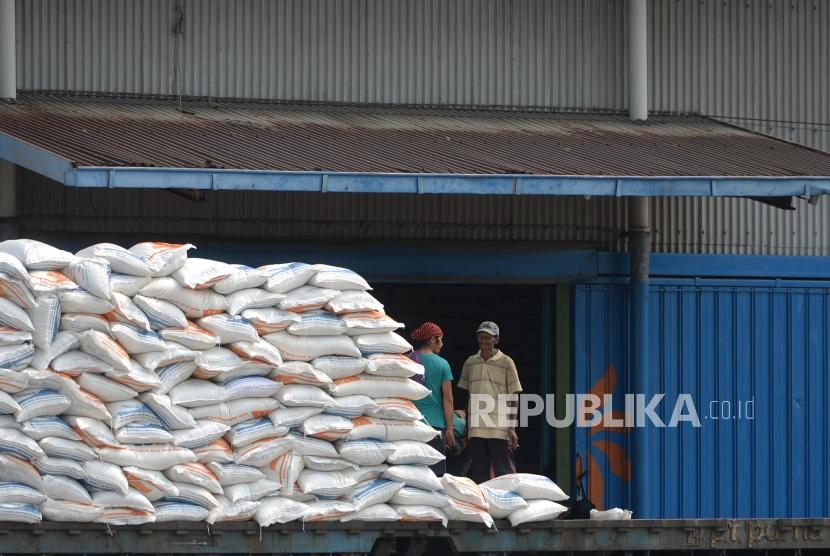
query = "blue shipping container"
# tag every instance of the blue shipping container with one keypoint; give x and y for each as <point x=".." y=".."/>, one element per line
<point x="754" y="356"/>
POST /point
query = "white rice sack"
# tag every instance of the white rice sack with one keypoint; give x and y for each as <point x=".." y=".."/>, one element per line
<point x="45" y="379"/>
<point x="16" y="291"/>
<point x="218" y="360"/>
<point x="354" y="301"/>
<point x="364" y="452"/>
<point x="125" y="516"/>
<point x="81" y="323"/>
<point x="63" y="342"/>
<point x="390" y="430"/>
<point x="129" y="412"/>
<point x="171" y="416"/>
<point x="93" y="432"/>
<point x="327" y="510"/>
<point x="105" y="348"/>
<point x="369" y="322"/>
<point x="135" y="340"/>
<point x="192" y="494"/>
<point x="13" y="382"/>
<point x="60" y="467"/>
<point x="17" y="493"/>
<point x="202" y="434"/>
<point x="64" y="488"/>
<point x="134" y="500"/>
<point x="126" y="284"/>
<point x="7" y="404"/>
<point x="16" y="470"/>
<point x="179" y="511"/>
<point x="276" y="509"/>
<point x="252" y="298"/>
<point x="410" y="452"/>
<point x="77" y="363"/>
<point x="160" y="314"/>
<point x="326" y="484"/>
<point x="42" y="427"/>
<point x="285" y="470"/>
<point x="384" y="342"/>
<point x="251" y="387"/>
<point x="269" y="320"/>
<point x="64" y="510"/>
<point x="464" y="490"/>
<point x="39" y="403"/>
<point x="319" y="463"/>
<point x="536" y="510"/>
<point x="18" y="444"/>
<point x="197" y="393"/>
<point x="81" y="301"/>
<point x="12" y="337"/>
<point x="229" y="328"/>
<point x="128" y="312"/>
<point x="414" y="496"/>
<point x="232" y="511"/>
<point x="413" y="475"/>
<point x="199" y="274"/>
<point x="306" y="348"/>
<point x="259" y="350"/>
<point x="463" y="511"/>
<point x="262" y="452"/>
<point x="195" y="474"/>
<point x="83" y="404"/>
<point x="13" y="268"/>
<point x="246" y="370"/>
<point x="370" y="493"/>
<point x="173" y="375"/>
<point x="253" y="430"/>
<point x="294" y="493"/>
<point x="93" y="275"/>
<point x="396" y="409"/>
<point x="376" y="514"/>
<point x="338" y="367"/>
<point x="217" y="451"/>
<point x="36" y="255"/>
<point x="300" y="372"/>
<point x="283" y="278"/>
<point x="14" y="317"/>
<point x="236" y="411"/>
<point x="241" y="277"/>
<point x="143" y="433"/>
<point x="292" y="417"/>
<point x="252" y="492"/>
<point x="327" y="427"/>
<point x="138" y="378"/>
<point x="306" y="446"/>
<point x="394" y="365"/>
<point x="120" y="260"/>
<point x="351" y="407"/>
<point x="16" y="358"/>
<point x="194" y="303"/>
<point x="307" y="298"/>
<point x="162" y="258"/>
<point x="501" y="503"/>
<point x="299" y="395"/>
<point x="50" y="282"/>
<point x="173" y="354"/>
<point x="420" y="513"/>
<point x="106" y="476"/>
<point x="152" y="484"/>
<point x="193" y="337"/>
<point x="380" y="387"/>
<point x="231" y="474"/>
<point x="529" y="486"/>
<point x="338" y="278"/>
<point x="318" y="323"/>
<point x="611" y="514"/>
<point x="62" y="448"/>
<point x="105" y="389"/>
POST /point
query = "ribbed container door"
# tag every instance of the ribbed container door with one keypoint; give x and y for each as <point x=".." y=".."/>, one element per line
<point x="724" y="344"/>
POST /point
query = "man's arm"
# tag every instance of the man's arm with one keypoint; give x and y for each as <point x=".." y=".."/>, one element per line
<point x="514" y="387"/>
<point x="446" y="391"/>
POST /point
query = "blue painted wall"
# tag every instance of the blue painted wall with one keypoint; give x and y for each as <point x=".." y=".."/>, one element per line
<point x="723" y="342"/>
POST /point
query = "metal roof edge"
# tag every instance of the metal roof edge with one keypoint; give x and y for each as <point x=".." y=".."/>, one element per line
<point x="694" y="265"/>
<point x="33" y="158"/>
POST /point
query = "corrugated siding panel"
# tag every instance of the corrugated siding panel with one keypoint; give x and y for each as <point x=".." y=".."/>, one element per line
<point x="725" y="344"/>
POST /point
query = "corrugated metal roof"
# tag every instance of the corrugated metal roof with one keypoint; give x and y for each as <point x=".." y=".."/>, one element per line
<point x="98" y="131"/>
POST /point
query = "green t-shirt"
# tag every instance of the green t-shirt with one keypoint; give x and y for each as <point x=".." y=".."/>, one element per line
<point x="436" y="371"/>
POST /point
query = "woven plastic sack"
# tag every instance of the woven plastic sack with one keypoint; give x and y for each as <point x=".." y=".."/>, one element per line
<point x="300" y="372"/>
<point x="106" y="476"/>
<point x="171" y="416"/>
<point x="327" y="427"/>
<point x="202" y="434"/>
<point x="529" y="486"/>
<point x="338" y="367"/>
<point x="105" y="389"/>
<point x="463" y="490"/>
<point x="105" y="348"/>
<point x="501" y="503"/>
<point x="263" y="452"/>
<point x="79" y="323"/>
<point x="232" y="511"/>
<point x="17" y="493"/>
<point x="217" y="451"/>
<point x="152" y="484"/>
<point x="241" y="277"/>
<point x="369" y="322"/>
<point x="160" y="314"/>
<point x="410" y="452"/>
<point x="354" y="301"/>
<point x="194" y="303"/>
<point x="253" y="430"/>
<point x="172" y="375"/>
<point x="18" y="470"/>
<point x="200" y="274"/>
<point x="133" y="500"/>
<point x="376" y="514"/>
<point x="36" y="255"/>
<point x="120" y="260"/>
<point x="81" y="301"/>
<point x="258" y="350"/>
<point x="45" y="318"/>
<point x="232" y="474"/>
<point x="413" y="475"/>
<point x="39" y="403"/>
<point x="283" y="278"/>
<point x="389" y="429"/>
<point x="16" y="291"/>
<point x="179" y="511"/>
<point x="143" y="433"/>
<point x="229" y="328"/>
<point x="536" y="510"/>
<point x="395" y="409"/>
<point x="14" y="317"/>
<point x="50" y="282"/>
<point x="252" y="298"/>
<point x="394" y="365"/>
<point x="162" y="258"/>
<point x="270" y="319"/>
<point x="93" y="275"/>
<point x="305" y="348"/>
<point x="49" y="466"/>
<point x="384" y="342"/>
<point x="252" y="492"/>
<point x="292" y="417"/>
<point x="326" y="484"/>
<point x="43" y="427"/>
<point x="351" y="407"/>
<point x="12" y="337"/>
<point x="127" y="312"/>
<point x="173" y="354"/>
<point x="370" y="493"/>
<point x="364" y="452"/>
<point x="298" y="395"/>
<point x="276" y="509"/>
<point x="379" y="387"/>
<point x="338" y="278"/>
<point x="63" y="510"/>
<point x="192" y="336"/>
<point x="13" y="268"/>
<point x="126" y="284"/>
<point x="62" y="343"/>
<point x="420" y="513"/>
<point x="320" y="463"/>
<point x="464" y="511"/>
<point x="62" y="448"/>
<point x="236" y="411"/>
<point x="414" y="496"/>
<point x="327" y="510"/>
<point x="196" y="474"/>
<point x="192" y="494"/>
<point x="318" y="323"/>
<point x="13" y="382"/>
<point x="135" y="340"/>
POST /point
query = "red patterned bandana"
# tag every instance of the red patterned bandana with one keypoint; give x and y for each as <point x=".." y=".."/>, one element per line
<point x="425" y="332"/>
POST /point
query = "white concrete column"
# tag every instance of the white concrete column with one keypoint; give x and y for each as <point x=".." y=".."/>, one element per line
<point x="637" y="59"/>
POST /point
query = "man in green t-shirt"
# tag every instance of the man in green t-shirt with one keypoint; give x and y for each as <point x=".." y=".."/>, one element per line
<point x="437" y="408"/>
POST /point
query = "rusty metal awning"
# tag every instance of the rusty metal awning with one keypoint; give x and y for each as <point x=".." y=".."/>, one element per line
<point x="195" y="144"/>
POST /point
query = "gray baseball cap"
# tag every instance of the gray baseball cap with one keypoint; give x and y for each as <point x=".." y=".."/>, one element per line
<point x="490" y="327"/>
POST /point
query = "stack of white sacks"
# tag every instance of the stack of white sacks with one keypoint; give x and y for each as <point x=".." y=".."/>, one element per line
<point x="142" y="386"/>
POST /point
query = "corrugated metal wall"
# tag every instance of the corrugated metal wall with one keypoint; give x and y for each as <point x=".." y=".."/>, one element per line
<point x="680" y="225"/>
<point x="724" y="343"/>
<point x="745" y="61"/>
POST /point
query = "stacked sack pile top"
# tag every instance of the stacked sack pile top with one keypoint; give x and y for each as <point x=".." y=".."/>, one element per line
<point x="141" y="386"/>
